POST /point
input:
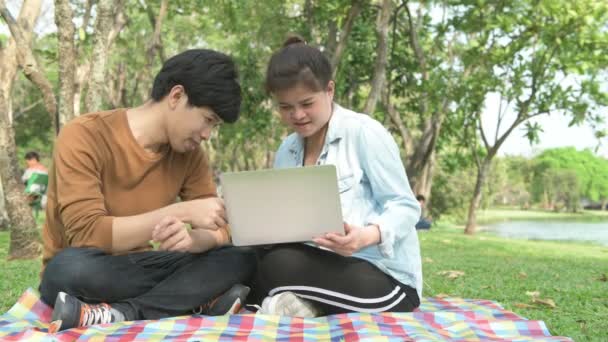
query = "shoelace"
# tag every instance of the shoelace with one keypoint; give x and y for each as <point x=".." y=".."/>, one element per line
<point x="95" y="314"/>
<point x="205" y="307"/>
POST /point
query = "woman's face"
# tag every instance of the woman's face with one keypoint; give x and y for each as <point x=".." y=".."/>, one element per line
<point x="306" y="111"/>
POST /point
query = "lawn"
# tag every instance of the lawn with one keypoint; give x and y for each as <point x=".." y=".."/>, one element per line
<point x="572" y="275"/>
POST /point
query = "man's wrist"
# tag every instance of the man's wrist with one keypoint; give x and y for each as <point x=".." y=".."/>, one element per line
<point x="180" y="210"/>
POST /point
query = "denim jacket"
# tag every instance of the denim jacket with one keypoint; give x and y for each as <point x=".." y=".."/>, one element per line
<point x="373" y="189"/>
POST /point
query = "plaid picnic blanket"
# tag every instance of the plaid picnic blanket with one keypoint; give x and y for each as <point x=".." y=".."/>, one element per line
<point x="446" y="319"/>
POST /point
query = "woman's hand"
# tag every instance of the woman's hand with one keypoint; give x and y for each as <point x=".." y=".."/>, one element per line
<point x="353" y="239"/>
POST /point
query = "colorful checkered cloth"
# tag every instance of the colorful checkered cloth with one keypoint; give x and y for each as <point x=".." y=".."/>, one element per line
<point x="447" y="319"/>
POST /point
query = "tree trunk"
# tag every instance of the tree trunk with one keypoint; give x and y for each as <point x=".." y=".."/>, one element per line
<point x="24" y="233"/>
<point x="67" y="61"/>
<point x="155" y="46"/>
<point x="3" y="215"/>
<point x="384" y="16"/>
<point x="424" y="182"/>
<point x="604" y="205"/>
<point x="482" y="173"/>
<point x="338" y="51"/>
<point x="27" y="61"/>
<point x="99" y="56"/>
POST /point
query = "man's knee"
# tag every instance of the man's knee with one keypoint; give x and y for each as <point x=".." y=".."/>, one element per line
<point x="73" y="270"/>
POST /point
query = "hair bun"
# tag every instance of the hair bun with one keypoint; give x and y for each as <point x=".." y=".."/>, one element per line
<point x="293" y="39"/>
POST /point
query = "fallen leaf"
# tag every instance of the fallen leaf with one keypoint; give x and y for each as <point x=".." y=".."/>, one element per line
<point x="524" y="306"/>
<point x="485" y="287"/>
<point x="533" y="294"/>
<point x="481" y="238"/>
<point x="451" y="274"/>
<point x="429" y="260"/>
<point x="523" y="275"/>
<point x="446" y="241"/>
<point x="548" y="302"/>
<point x="603" y="277"/>
<point x="442" y="295"/>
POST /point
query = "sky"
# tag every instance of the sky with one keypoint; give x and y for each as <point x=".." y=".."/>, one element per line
<point x="556" y="132"/>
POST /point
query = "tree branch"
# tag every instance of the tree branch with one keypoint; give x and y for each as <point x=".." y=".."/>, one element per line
<point x="29" y="64"/>
<point x="345" y="31"/>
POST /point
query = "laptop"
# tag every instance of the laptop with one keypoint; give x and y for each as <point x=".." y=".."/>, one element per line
<point x="282" y="205"/>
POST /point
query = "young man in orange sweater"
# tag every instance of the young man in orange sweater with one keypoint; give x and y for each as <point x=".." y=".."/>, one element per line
<point x="113" y="187"/>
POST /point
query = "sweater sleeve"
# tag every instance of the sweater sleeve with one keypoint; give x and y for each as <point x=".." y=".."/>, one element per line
<point x="80" y="200"/>
<point x="199" y="183"/>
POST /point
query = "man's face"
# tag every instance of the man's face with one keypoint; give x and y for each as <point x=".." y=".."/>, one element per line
<point x="194" y="125"/>
<point x="31" y="162"/>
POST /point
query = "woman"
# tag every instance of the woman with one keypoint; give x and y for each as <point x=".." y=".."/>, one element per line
<point x="374" y="265"/>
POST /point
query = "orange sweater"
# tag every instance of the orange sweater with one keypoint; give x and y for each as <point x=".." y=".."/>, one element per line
<point x="100" y="172"/>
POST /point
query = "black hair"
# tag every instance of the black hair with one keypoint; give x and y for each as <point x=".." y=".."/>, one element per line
<point x="209" y="79"/>
<point x="420" y="197"/>
<point x="32" y="155"/>
<point x="298" y="63"/>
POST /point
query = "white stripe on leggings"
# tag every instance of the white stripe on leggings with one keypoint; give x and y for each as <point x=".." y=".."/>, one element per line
<point x="334" y="294"/>
<point x="354" y="308"/>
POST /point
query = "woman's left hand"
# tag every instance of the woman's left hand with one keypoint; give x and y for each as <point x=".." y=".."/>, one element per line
<point x="353" y="239"/>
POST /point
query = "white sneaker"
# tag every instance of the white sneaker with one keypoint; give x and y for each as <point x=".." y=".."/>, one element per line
<point x="288" y="304"/>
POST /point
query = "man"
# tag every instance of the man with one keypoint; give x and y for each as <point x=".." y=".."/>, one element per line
<point x="113" y="188"/>
<point x="423" y="223"/>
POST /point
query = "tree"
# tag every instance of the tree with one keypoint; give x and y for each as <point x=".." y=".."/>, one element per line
<point x="75" y="65"/>
<point x="541" y="58"/>
<point x="379" y="76"/>
<point x="24" y="234"/>
<point x="565" y="174"/>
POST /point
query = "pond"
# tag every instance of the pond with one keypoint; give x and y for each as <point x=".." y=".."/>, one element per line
<point x="552" y="230"/>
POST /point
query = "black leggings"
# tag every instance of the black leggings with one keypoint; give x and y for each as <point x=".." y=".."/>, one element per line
<point x="337" y="284"/>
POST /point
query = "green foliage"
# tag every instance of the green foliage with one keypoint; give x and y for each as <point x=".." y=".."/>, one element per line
<point x="565" y="174"/>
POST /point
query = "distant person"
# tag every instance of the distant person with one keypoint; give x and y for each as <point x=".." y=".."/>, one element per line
<point x="35" y="178"/>
<point x="423" y="223"/>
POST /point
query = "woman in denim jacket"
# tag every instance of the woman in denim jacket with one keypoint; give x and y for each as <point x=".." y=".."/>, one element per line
<point x="374" y="264"/>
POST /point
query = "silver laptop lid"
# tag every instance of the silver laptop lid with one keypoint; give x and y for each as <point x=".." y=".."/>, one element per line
<point x="282" y="205"/>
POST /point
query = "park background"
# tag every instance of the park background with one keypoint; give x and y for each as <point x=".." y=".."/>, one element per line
<point x="498" y="108"/>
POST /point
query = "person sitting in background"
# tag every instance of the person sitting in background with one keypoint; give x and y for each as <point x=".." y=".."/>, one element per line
<point x="423" y="223"/>
<point x="35" y="178"/>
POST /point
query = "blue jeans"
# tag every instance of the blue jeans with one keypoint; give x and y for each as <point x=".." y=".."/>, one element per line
<point x="146" y="285"/>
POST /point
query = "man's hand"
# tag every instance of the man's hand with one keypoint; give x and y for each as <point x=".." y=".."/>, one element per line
<point x="173" y="235"/>
<point x="208" y="213"/>
<point x="353" y="239"/>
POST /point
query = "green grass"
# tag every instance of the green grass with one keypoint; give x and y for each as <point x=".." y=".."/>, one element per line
<point x="503" y="270"/>
<point x="16" y="276"/>
<point x="494" y="215"/>
<point x="499" y="269"/>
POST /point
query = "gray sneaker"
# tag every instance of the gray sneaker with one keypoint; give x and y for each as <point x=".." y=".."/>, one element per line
<point x="69" y="312"/>
<point x="288" y="304"/>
